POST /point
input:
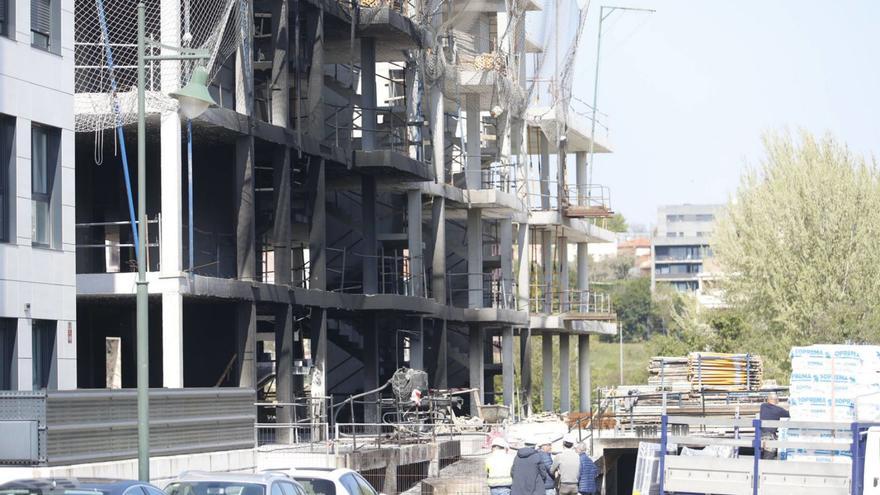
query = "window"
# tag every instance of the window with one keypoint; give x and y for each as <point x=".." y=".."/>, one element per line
<point x="45" y="142"/>
<point x="7" y="347"/>
<point x="43" y="342"/>
<point x="366" y="487"/>
<point x="317" y="486"/>
<point x="350" y="483"/>
<point x="5" y="16"/>
<point x="214" y="488"/>
<point x="7" y="164"/>
<point x="41" y="24"/>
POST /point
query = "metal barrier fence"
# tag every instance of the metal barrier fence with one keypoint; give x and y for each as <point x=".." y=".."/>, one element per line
<point x="103" y="244"/>
<point x="82" y="426"/>
<point x="543" y="300"/>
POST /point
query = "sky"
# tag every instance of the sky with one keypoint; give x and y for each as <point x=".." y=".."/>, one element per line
<point x="690" y="89"/>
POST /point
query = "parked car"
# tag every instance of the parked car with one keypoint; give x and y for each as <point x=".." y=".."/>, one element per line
<point x="329" y="481"/>
<point x="206" y="483"/>
<point x="78" y="486"/>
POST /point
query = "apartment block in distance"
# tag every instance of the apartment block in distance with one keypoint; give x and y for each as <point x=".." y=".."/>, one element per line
<point x="37" y="265"/>
<point x="681" y="254"/>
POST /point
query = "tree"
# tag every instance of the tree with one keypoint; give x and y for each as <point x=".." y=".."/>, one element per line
<point x="616" y="223"/>
<point x="632" y="302"/>
<point x="799" y="246"/>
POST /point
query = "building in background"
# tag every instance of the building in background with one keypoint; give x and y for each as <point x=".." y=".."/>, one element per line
<point x="681" y="255"/>
<point x="37" y="265"/>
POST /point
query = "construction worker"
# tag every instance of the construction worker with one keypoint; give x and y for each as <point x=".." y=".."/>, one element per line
<point x="588" y="474"/>
<point x="528" y="472"/>
<point x="498" y="468"/>
<point x="567" y="467"/>
<point x="547" y="458"/>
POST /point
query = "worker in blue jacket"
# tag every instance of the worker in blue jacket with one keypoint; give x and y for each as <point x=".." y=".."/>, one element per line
<point x="589" y="473"/>
<point x="547" y="457"/>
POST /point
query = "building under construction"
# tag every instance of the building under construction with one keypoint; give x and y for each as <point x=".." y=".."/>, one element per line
<point x="384" y="184"/>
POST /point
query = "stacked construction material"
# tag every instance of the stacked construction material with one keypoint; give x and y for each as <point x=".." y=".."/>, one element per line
<point x="831" y="383"/>
<point x="669" y="373"/>
<point x="835" y="383"/>
<point x="729" y="372"/>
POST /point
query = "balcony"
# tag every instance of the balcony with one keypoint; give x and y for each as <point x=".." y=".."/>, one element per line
<point x="573" y="304"/>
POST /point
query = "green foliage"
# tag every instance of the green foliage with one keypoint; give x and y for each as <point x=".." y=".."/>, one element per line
<point x="799" y="247"/>
<point x="636" y="314"/>
<point x="612" y="268"/>
<point x="617" y="223"/>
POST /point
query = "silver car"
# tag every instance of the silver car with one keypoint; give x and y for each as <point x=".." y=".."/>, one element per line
<point x="206" y="483"/>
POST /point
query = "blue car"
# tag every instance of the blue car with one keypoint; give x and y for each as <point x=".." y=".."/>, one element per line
<point x="78" y="486"/>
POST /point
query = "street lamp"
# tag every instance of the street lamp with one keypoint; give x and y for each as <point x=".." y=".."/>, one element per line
<point x="602" y="16"/>
<point x="194" y="99"/>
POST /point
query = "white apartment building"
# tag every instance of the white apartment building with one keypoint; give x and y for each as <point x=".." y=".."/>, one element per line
<point x="37" y="245"/>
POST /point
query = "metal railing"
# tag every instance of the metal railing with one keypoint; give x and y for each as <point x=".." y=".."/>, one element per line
<point x="589" y="195"/>
<point x="494" y="292"/>
<point x="501" y="176"/>
<point x="543" y="299"/>
<point x="391" y="132"/>
<point x="108" y="237"/>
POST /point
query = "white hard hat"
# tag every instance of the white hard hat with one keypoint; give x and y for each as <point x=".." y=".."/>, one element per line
<point x="543" y="441"/>
<point x="499" y="442"/>
<point x="569" y="438"/>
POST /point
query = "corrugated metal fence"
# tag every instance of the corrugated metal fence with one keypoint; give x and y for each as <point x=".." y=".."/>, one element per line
<point x="80" y="426"/>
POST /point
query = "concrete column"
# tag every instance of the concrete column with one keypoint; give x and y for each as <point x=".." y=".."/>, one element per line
<point x="284" y="367"/>
<point x="441" y="381"/>
<point x="318" y="335"/>
<point x="414" y="241"/>
<point x="584" y="386"/>
<point x="525" y="349"/>
<point x="413" y="112"/>
<point x="244" y="73"/>
<point x="561" y="156"/>
<point x="317" y="227"/>
<point x="545" y="170"/>
<point x="472" y="141"/>
<point x="172" y="340"/>
<point x="171" y="152"/>
<point x="564" y="373"/>
<point x="371" y="367"/>
<point x="580" y="158"/>
<point x="246" y="260"/>
<point x="562" y="254"/>
<point x="247" y="344"/>
<point x="417" y="347"/>
<point x="316" y="82"/>
<point x="475" y="257"/>
<point x="281" y="234"/>
<point x="523" y="269"/>
<point x="65" y="355"/>
<point x="547" y="266"/>
<point x="368" y="94"/>
<point x="370" y="248"/>
<point x="279" y="84"/>
<point x="475" y="364"/>
<point x="547" y="369"/>
<point x="438" y="251"/>
<point x="507" y="365"/>
<point x="23" y="369"/>
<point x="583" y="268"/>
<point x="505" y="234"/>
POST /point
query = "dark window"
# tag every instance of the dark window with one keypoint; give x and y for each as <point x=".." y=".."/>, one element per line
<point x="43" y="339"/>
<point x="7" y="162"/>
<point x="4" y="17"/>
<point x="350" y="483"/>
<point x="7" y="348"/>
<point x="366" y="487"/>
<point x="45" y="142"/>
<point x="41" y="24"/>
<point x="317" y="486"/>
<point x="214" y="488"/>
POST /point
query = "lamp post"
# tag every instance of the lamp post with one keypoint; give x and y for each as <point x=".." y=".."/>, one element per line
<point x="602" y="16"/>
<point x="194" y="99"/>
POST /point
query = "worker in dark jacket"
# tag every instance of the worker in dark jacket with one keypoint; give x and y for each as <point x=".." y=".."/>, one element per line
<point x="550" y="483"/>
<point x="589" y="473"/>
<point x="528" y="471"/>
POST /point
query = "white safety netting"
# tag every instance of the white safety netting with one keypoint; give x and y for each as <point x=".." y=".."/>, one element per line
<point x="105" y="44"/>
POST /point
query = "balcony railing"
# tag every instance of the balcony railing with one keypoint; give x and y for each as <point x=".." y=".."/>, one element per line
<point x="494" y="292"/>
<point x="578" y="301"/>
<point x="108" y="247"/>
